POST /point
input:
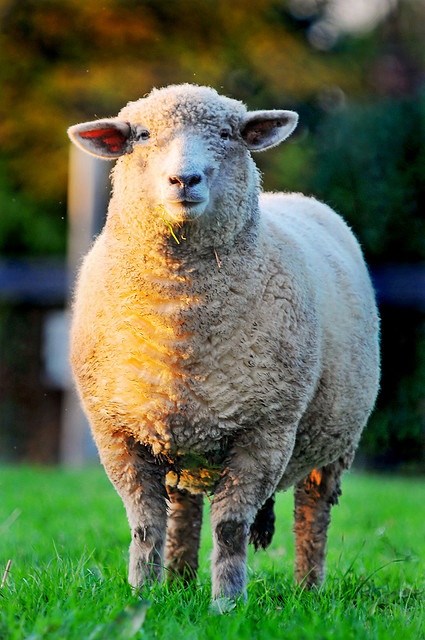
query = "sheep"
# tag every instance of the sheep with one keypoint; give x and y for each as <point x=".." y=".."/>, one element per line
<point x="224" y="341"/>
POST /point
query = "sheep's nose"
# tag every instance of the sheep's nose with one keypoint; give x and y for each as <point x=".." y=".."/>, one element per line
<point x="190" y="180"/>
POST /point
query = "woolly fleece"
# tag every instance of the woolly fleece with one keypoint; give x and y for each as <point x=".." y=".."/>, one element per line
<point x="224" y="341"/>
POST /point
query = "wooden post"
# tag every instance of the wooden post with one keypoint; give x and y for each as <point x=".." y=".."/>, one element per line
<point x="88" y="197"/>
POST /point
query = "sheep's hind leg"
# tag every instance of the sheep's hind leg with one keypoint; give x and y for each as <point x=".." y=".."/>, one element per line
<point x="262" y="529"/>
<point x="183" y="533"/>
<point x="314" y="497"/>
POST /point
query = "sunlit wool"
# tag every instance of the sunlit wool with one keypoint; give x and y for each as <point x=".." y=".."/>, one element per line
<point x="224" y="341"/>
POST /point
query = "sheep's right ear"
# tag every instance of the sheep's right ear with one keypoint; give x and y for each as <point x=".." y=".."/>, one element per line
<point x="106" y="139"/>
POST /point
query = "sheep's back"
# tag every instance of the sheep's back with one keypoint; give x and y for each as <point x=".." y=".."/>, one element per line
<point x="349" y="327"/>
<point x="315" y="239"/>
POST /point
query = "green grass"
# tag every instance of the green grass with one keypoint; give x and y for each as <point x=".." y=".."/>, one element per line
<point x="67" y="537"/>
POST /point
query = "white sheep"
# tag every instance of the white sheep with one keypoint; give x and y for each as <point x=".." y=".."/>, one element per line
<point x="223" y="342"/>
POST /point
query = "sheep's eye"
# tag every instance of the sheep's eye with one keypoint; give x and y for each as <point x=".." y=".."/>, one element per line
<point x="144" y="135"/>
<point x="140" y="134"/>
<point x="225" y="134"/>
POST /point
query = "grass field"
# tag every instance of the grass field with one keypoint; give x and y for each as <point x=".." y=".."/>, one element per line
<point x="67" y="537"/>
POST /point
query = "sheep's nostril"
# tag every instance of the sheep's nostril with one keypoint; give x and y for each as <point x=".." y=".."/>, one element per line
<point x="190" y="180"/>
<point x="193" y="180"/>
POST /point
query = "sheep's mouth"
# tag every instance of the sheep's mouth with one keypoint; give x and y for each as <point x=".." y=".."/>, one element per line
<point x="187" y="203"/>
<point x="186" y="209"/>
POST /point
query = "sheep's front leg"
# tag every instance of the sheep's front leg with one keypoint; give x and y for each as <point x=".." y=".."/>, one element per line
<point x="140" y="481"/>
<point x="248" y="481"/>
<point x="183" y="533"/>
<point x="314" y="497"/>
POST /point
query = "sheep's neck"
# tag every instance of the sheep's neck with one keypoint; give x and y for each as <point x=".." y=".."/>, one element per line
<point x="176" y="279"/>
<point x="180" y="283"/>
<point x="153" y="231"/>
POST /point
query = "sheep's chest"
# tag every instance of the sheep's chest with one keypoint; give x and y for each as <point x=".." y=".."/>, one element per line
<point x="184" y="359"/>
<point x="192" y="370"/>
<point x="195" y="361"/>
<point x="173" y="372"/>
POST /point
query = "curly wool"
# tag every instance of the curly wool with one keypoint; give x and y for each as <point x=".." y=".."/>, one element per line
<point x="233" y="351"/>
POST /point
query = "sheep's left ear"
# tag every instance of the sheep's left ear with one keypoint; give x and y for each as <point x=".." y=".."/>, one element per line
<point x="262" y="130"/>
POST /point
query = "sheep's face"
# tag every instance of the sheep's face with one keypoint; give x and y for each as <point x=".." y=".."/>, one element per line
<point x="183" y="168"/>
<point x="185" y="149"/>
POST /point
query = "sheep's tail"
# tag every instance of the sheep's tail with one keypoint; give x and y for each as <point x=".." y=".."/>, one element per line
<point x="262" y="529"/>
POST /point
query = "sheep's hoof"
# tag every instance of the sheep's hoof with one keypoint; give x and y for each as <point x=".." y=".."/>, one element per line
<point x="222" y="605"/>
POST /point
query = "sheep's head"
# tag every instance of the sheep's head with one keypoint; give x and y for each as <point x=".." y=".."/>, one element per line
<point x="185" y="148"/>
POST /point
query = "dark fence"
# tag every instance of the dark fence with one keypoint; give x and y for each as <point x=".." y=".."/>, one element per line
<point x="34" y="372"/>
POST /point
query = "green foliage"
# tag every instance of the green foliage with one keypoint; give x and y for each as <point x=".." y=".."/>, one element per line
<point x="369" y="165"/>
<point x="27" y="228"/>
<point x="396" y="432"/>
<point x="68" y="573"/>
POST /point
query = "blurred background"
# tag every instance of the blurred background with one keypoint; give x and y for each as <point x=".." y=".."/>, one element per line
<point x="353" y="69"/>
